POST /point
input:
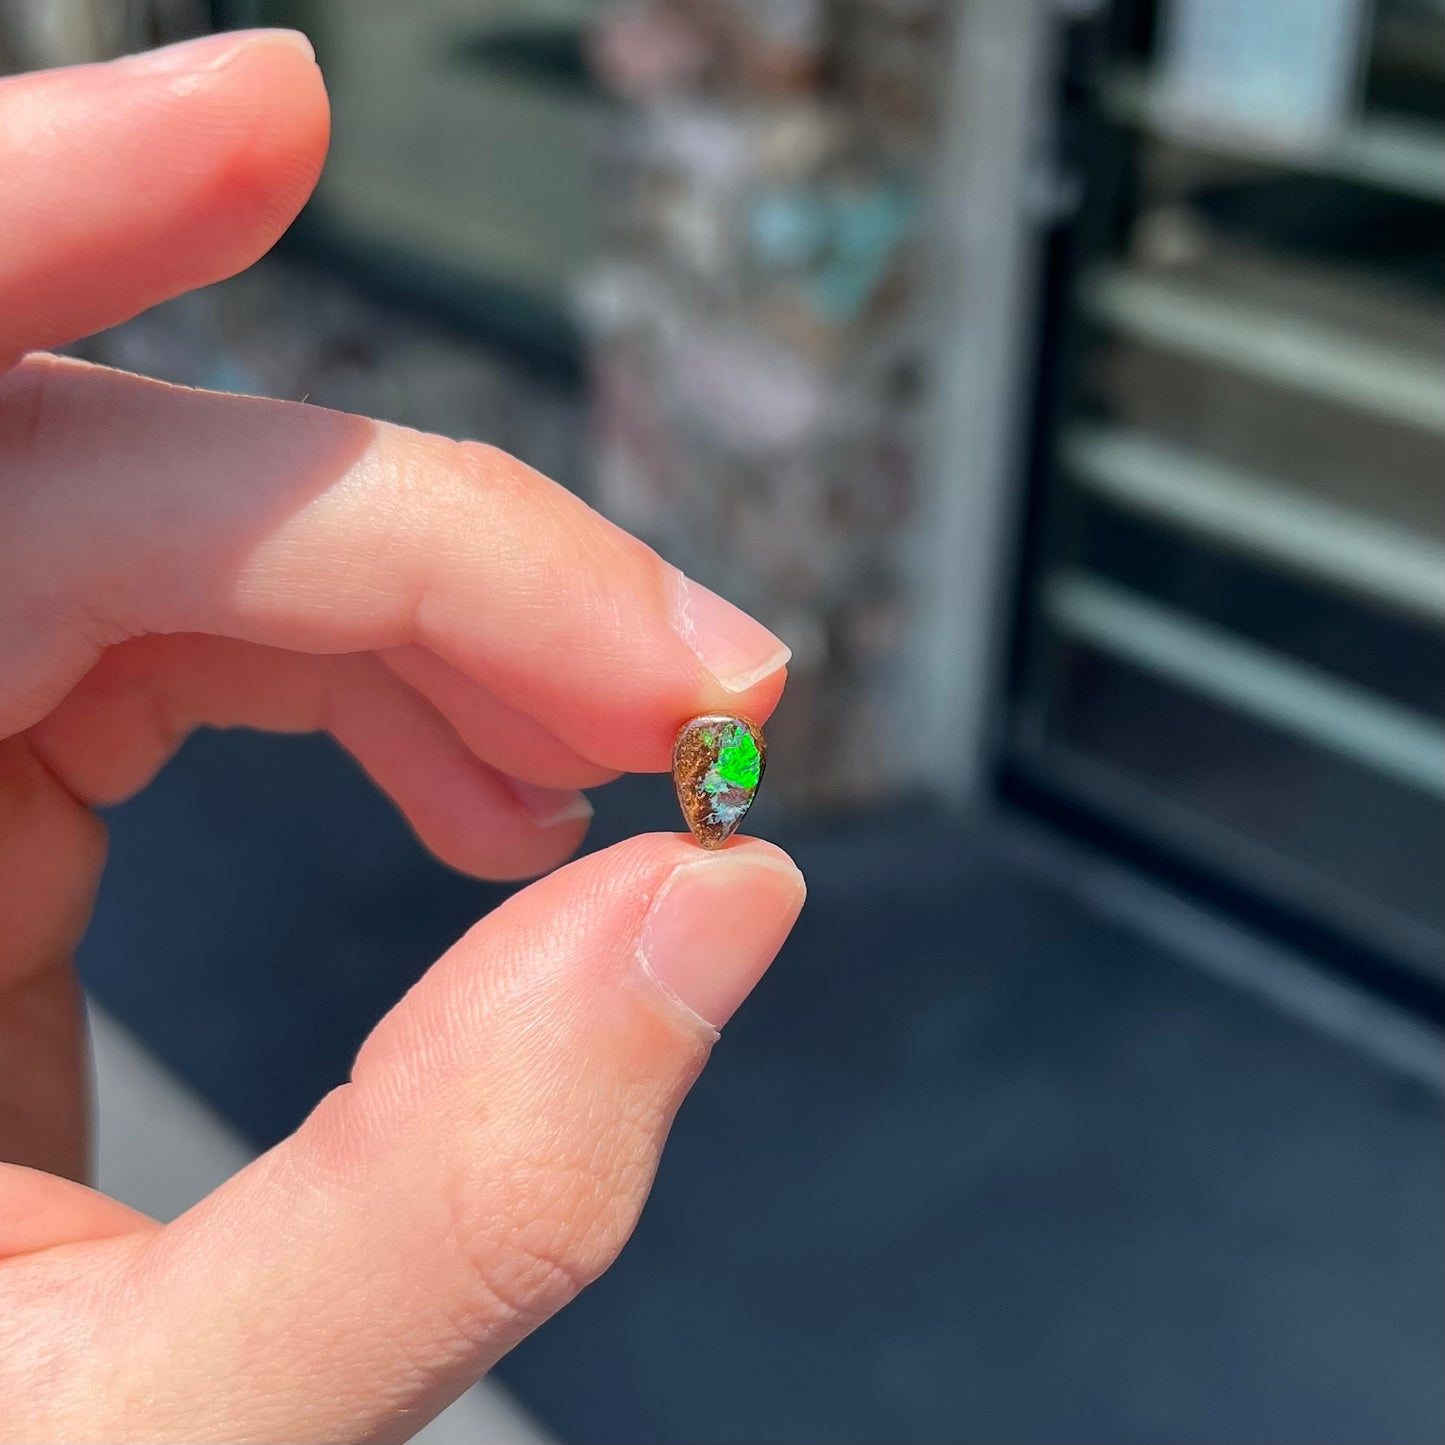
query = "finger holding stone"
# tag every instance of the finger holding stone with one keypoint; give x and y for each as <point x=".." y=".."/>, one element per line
<point x="487" y="1159"/>
<point x="133" y="507"/>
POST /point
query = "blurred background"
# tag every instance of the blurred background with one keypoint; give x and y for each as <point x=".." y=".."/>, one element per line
<point x="1064" y="380"/>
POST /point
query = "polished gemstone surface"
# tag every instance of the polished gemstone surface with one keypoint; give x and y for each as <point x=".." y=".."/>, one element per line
<point x="717" y="764"/>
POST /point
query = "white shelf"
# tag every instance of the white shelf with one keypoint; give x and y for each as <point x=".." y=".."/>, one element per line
<point x="1261" y="684"/>
<point x="1394" y="155"/>
<point x="1286" y="348"/>
<point x="1260" y="516"/>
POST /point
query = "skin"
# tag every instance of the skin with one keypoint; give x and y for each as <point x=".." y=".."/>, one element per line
<point x="171" y="559"/>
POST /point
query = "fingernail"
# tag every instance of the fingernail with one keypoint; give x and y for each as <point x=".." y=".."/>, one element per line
<point x="549" y="807"/>
<point x="715" y="926"/>
<point x="738" y="650"/>
<point x="209" y="52"/>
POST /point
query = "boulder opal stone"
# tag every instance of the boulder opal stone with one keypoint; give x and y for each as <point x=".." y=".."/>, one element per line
<point x="717" y="764"/>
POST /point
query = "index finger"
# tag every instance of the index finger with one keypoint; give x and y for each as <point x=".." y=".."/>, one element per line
<point x="135" y="507"/>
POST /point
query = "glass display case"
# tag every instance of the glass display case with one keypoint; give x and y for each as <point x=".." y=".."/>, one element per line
<point x="1230" y="647"/>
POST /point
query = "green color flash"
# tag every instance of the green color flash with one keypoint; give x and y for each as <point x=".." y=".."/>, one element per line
<point x="738" y="763"/>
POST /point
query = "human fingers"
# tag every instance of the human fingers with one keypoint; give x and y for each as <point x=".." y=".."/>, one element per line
<point x="488" y="1158"/>
<point x="508" y="739"/>
<point x="108" y="738"/>
<point x="133" y="507"/>
<point x="134" y="181"/>
<point x="116" y="729"/>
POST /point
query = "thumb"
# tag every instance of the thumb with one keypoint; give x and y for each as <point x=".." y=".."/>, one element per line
<point x="487" y="1160"/>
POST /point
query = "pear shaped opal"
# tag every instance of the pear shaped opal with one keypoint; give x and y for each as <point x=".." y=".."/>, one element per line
<point x="717" y="764"/>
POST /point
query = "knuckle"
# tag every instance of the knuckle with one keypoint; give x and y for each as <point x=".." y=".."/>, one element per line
<point x="466" y="475"/>
<point x="496" y="480"/>
<point x="482" y="467"/>
<point x="425" y="488"/>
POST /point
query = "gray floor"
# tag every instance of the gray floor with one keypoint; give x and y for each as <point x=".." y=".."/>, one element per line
<point x="975" y="1163"/>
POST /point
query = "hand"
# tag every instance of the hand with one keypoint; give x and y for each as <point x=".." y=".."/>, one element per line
<point x="484" y="645"/>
